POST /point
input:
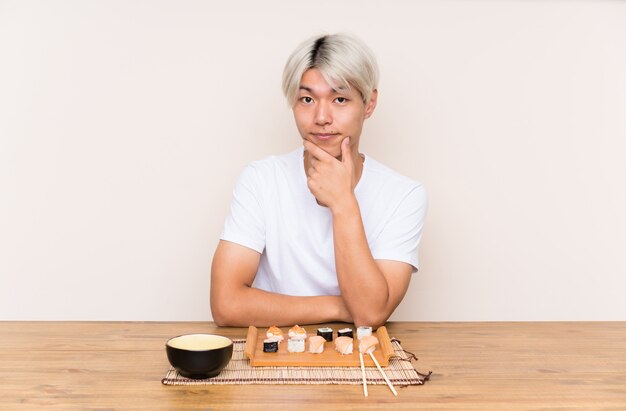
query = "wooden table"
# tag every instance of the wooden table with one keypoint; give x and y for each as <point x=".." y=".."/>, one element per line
<point x="482" y="366"/>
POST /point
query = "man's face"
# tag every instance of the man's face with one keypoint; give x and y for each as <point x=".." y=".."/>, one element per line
<point x="326" y="116"/>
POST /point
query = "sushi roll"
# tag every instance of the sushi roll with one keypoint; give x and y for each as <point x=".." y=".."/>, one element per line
<point x="316" y="344"/>
<point x="295" y="345"/>
<point x="297" y="332"/>
<point x="270" y="345"/>
<point x="343" y="345"/>
<point x="325" y="332"/>
<point x="275" y="332"/>
<point x="345" y="332"/>
<point x="368" y="344"/>
<point x="363" y="332"/>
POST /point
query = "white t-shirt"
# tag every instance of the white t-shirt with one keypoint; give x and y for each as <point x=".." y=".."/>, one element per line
<point x="274" y="213"/>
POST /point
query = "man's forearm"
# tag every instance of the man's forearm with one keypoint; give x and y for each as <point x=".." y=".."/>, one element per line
<point x="363" y="285"/>
<point x="251" y="306"/>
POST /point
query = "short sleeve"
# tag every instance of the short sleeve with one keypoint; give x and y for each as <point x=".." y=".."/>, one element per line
<point x="400" y="237"/>
<point x="245" y="223"/>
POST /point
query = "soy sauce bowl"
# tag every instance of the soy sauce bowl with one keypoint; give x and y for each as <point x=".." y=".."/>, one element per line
<point x="199" y="356"/>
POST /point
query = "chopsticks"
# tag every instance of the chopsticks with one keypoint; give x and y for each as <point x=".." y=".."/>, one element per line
<point x="393" y="390"/>
<point x="368" y="344"/>
<point x="363" y="373"/>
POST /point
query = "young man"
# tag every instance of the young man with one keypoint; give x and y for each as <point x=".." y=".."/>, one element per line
<point x="323" y="233"/>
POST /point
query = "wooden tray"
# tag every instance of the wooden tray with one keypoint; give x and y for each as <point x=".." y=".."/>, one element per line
<point x="329" y="358"/>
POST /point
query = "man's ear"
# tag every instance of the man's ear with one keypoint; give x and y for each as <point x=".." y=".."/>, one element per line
<point x="371" y="105"/>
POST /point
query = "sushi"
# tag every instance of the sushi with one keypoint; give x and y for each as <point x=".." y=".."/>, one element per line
<point x="270" y="345"/>
<point x="363" y="332"/>
<point x="345" y="332"/>
<point x="295" y="345"/>
<point x="275" y="332"/>
<point x="343" y="345"/>
<point x="368" y="344"/>
<point x="325" y="332"/>
<point x="316" y="344"/>
<point x="297" y="332"/>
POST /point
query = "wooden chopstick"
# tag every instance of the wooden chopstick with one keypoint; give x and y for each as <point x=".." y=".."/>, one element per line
<point x="393" y="390"/>
<point x="363" y="373"/>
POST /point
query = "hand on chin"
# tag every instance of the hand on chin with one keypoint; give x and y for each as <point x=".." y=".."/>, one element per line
<point x="332" y="148"/>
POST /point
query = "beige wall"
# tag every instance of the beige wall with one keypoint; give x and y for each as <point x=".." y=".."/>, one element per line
<point x="123" y="126"/>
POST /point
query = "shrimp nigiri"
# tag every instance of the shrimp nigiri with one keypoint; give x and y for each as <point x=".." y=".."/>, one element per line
<point x="343" y="345"/>
<point x="275" y="332"/>
<point x="297" y="332"/>
<point x="316" y="344"/>
<point x="368" y="344"/>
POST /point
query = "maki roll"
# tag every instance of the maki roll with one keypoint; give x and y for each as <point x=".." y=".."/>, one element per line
<point x="325" y="332"/>
<point x="363" y="332"/>
<point x="270" y="345"/>
<point x="345" y="332"/>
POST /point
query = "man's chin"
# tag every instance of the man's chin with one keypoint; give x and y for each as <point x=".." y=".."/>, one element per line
<point x="333" y="152"/>
<point x="332" y="149"/>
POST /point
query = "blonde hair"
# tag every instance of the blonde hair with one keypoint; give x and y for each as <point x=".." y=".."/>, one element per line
<point x="343" y="60"/>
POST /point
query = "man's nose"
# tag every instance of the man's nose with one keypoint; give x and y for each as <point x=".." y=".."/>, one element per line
<point x="323" y="114"/>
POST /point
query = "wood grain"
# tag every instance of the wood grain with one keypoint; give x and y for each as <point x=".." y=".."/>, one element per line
<point x="480" y="366"/>
<point x="328" y="358"/>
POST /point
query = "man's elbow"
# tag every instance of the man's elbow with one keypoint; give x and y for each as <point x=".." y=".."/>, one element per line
<point x="220" y="320"/>
<point x="373" y="320"/>
<point x="223" y="316"/>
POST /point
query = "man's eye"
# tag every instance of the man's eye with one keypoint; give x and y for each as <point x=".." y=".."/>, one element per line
<point x="306" y="100"/>
<point x="341" y="100"/>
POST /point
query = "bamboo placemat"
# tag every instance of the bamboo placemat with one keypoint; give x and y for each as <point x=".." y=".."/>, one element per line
<point x="238" y="371"/>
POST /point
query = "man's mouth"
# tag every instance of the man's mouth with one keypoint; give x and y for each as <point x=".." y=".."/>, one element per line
<point x="325" y="136"/>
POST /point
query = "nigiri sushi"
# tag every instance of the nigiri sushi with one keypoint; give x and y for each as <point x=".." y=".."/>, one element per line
<point x="316" y="344"/>
<point x="343" y="345"/>
<point x="297" y="332"/>
<point x="275" y="332"/>
<point x="368" y="344"/>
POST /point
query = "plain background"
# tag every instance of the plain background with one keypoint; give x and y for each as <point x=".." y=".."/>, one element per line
<point x="124" y="125"/>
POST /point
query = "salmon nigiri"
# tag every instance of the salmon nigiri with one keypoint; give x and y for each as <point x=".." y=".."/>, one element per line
<point x="343" y="345"/>
<point x="316" y="344"/>
<point x="368" y="344"/>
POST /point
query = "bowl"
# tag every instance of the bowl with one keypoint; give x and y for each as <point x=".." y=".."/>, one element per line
<point x="199" y="355"/>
